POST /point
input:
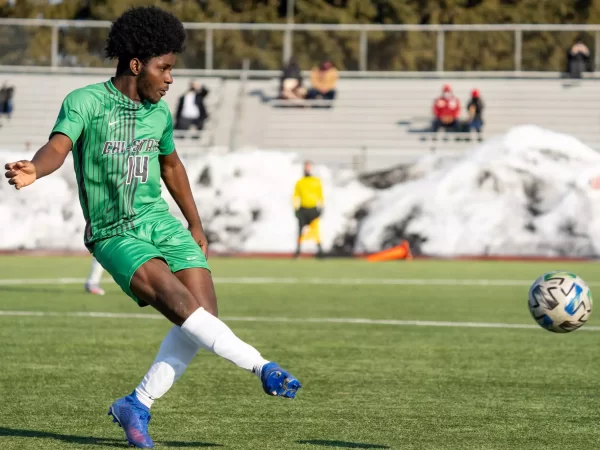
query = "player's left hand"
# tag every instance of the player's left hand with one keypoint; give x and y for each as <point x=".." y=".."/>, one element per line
<point x="200" y="238"/>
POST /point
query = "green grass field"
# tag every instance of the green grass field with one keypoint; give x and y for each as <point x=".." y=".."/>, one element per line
<point x="366" y="385"/>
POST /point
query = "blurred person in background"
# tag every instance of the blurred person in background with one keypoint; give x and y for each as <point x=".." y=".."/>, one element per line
<point x="191" y="111"/>
<point x="92" y="284"/>
<point x="2" y="102"/>
<point x="308" y="204"/>
<point x="578" y="59"/>
<point x="324" y="80"/>
<point x="2" y="98"/>
<point x="290" y="86"/>
<point x="6" y="100"/>
<point x="446" y="110"/>
<point x="475" y="110"/>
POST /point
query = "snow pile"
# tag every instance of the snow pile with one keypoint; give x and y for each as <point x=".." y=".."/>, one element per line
<point x="44" y="215"/>
<point x="244" y="199"/>
<point x="523" y="193"/>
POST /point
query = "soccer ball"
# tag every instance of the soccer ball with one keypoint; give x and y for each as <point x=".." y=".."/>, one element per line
<point x="560" y="301"/>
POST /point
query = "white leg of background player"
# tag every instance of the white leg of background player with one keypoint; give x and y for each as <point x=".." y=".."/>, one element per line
<point x="92" y="285"/>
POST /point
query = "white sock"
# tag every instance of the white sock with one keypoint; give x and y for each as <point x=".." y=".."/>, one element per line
<point x="95" y="273"/>
<point x="175" y="354"/>
<point x="213" y="335"/>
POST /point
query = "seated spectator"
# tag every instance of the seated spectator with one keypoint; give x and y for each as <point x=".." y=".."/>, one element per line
<point x="6" y="100"/>
<point x="2" y="101"/>
<point x="324" y="79"/>
<point x="290" y="87"/>
<point x="475" y="110"/>
<point x="191" y="111"/>
<point x="446" y="110"/>
<point x="578" y="59"/>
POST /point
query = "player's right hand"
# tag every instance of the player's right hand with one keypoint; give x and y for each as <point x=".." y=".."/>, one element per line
<point x="20" y="173"/>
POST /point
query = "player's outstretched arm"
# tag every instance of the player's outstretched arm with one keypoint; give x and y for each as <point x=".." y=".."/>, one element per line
<point x="47" y="159"/>
<point x="175" y="177"/>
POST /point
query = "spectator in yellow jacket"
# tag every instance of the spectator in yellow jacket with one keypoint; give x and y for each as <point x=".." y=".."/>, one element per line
<point x="308" y="204"/>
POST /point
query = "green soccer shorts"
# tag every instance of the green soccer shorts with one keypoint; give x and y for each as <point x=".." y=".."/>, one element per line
<point x="165" y="238"/>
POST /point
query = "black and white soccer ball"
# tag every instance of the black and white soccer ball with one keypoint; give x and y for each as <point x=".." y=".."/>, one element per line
<point x="560" y="301"/>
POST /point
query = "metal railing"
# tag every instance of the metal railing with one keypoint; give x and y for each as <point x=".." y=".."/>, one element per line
<point x="290" y="29"/>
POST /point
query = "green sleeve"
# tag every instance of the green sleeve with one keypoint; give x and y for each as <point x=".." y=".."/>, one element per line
<point x="166" y="144"/>
<point x="71" y="119"/>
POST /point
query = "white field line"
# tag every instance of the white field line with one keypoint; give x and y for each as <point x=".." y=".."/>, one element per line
<point x="298" y="320"/>
<point x="305" y="281"/>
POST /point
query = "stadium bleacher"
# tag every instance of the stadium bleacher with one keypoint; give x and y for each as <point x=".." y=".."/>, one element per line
<point x="373" y="123"/>
<point x="38" y="98"/>
<point x="384" y="119"/>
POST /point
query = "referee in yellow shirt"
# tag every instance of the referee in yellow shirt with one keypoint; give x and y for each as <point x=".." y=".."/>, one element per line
<point x="308" y="203"/>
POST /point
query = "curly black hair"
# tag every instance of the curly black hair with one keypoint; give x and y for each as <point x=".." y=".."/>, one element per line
<point x="144" y="32"/>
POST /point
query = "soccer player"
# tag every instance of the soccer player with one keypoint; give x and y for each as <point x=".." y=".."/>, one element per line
<point x="92" y="284"/>
<point x="308" y="204"/>
<point x="121" y="135"/>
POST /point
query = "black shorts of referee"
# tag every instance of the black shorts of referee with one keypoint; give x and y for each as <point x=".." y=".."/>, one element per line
<point x="306" y="216"/>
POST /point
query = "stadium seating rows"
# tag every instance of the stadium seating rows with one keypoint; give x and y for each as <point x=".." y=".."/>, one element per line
<point x="383" y="119"/>
<point x="373" y="123"/>
<point x="38" y="98"/>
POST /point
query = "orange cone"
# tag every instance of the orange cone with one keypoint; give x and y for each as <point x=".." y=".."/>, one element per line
<point x="401" y="251"/>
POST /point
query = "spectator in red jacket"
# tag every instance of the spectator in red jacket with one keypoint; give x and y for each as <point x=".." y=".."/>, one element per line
<point x="446" y="110"/>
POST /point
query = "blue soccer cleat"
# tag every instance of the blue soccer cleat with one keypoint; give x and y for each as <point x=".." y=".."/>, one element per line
<point x="133" y="416"/>
<point x="278" y="382"/>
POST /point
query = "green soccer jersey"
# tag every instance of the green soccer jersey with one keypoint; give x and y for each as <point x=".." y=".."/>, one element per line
<point x="116" y="145"/>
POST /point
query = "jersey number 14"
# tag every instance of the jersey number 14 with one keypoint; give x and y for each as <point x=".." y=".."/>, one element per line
<point x="137" y="167"/>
